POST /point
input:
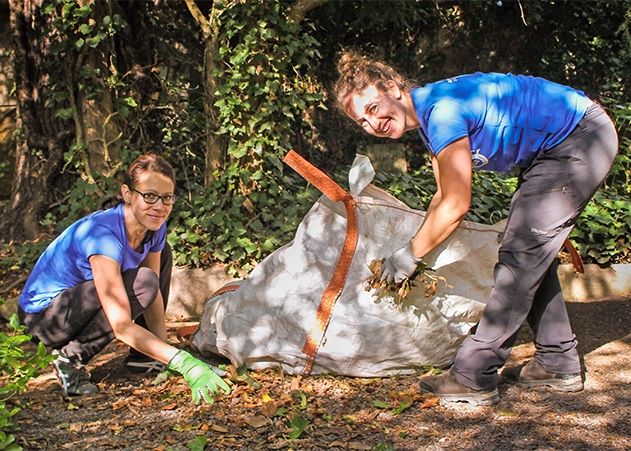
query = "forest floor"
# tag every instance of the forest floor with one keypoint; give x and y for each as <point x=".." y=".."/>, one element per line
<point x="272" y="410"/>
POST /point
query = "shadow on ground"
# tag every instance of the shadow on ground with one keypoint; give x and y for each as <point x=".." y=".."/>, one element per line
<point x="267" y="408"/>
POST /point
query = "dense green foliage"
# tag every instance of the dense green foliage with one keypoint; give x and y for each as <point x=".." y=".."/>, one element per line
<point x="262" y="100"/>
<point x="17" y="367"/>
<point x="272" y="95"/>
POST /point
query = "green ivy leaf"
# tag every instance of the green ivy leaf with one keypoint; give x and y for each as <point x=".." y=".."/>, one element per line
<point x="298" y="425"/>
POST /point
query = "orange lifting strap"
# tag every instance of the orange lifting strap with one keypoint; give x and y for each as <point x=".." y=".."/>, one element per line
<point x="332" y="292"/>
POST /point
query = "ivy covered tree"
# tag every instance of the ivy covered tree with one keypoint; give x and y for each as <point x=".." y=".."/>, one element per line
<point x="43" y="137"/>
<point x="82" y="71"/>
<point x="225" y="88"/>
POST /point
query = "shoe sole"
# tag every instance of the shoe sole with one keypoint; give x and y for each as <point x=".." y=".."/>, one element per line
<point x="478" y="399"/>
<point x="487" y="398"/>
<point x="572" y="385"/>
<point x="138" y="368"/>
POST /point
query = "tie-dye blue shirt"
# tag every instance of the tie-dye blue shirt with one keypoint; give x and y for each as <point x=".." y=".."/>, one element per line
<point x="65" y="262"/>
<point x="508" y="118"/>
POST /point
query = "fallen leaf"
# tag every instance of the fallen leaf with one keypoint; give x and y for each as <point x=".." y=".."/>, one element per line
<point x="349" y="418"/>
<point x="429" y="402"/>
<point x="281" y="444"/>
<point x="171" y="406"/>
<point x="257" y="421"/>
<point x="358" y="445"/>
<point x="381" y="404"/>
<point x="220" y="429"/>
<point x="295" y="383"/>
<point x="269" y="408"/>
<point x="119" y="404"/>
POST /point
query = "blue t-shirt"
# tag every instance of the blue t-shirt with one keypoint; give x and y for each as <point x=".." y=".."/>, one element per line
<point x="508" y="118"/>
<point x="64" y="263"/>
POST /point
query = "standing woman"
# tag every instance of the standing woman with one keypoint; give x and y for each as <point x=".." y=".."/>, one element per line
<point x="561" y="143"/>
<point x="102" y="273"/>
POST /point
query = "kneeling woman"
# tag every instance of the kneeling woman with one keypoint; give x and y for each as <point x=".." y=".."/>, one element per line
<point x="101" y="274"/>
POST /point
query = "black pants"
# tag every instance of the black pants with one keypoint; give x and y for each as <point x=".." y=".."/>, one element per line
<point x="75" y="322"/>
<point x="553" y="192"/>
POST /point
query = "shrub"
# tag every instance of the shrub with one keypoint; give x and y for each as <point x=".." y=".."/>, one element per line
<point x="17" y="367"/>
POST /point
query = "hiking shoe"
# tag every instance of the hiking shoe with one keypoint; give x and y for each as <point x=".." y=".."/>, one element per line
<point x="446" y="387"/>
<point x="72" y="375"/>
<point x="139" y="363"/>
<point x="533" y="375"/>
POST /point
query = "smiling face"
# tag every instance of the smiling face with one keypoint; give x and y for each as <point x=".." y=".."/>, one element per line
<point x="146" y="216"/>
<point x="383" y="113"/>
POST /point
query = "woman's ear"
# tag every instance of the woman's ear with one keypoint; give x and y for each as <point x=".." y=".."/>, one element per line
<point x="393" y="89"/>
<point x="126" y="194"/>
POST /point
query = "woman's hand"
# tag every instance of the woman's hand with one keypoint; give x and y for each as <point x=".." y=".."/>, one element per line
<point x="200" y="377"/>
<point x="400" y="265"/>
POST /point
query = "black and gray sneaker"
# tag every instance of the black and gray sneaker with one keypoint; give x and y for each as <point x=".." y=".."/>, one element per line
<point x="72" y="375"/>
<point x="140" y="363"/>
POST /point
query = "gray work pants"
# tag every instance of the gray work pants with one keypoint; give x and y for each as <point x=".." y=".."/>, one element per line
<point x="75" y="322"/>
<point x="552" y="193"/>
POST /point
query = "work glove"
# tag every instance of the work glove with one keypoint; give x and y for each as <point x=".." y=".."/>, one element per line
<point x="202" y="378"/>
<point x="400" y="265"/>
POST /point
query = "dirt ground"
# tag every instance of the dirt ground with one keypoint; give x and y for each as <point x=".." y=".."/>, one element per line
<point x="272" y="410"/>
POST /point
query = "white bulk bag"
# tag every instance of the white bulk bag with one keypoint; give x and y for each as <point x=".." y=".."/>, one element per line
<point x="265" y="322"/>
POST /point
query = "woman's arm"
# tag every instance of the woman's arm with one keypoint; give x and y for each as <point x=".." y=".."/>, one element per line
<point x="450" y="204"/>
<point x="437" y="195"/>
<point x="111" y="292"/>
<point x="199" y="376"/>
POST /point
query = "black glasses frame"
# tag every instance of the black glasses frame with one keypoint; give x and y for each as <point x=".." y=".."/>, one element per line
<point x="167" y="199"/>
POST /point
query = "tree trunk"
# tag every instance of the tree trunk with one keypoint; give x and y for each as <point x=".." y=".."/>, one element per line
<point x="96" y="121"/>
<point x="300" y="8"/>
<point x="215" y="145"/>
<point x="43" y="138"/>
<point x="128" y="53"/>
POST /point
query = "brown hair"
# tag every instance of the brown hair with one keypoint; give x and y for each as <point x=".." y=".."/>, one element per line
<point x="356" y="72"/>
<point x="146" y="162"/>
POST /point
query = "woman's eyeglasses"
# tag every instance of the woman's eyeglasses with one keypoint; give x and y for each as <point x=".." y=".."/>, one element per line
<point x="152" y="198"/>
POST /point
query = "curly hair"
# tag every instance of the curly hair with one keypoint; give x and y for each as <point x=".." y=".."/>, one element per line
<point x="356" y="72"/>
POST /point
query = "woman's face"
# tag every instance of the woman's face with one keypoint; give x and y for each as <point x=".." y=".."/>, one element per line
<point x="380" y="113"/>
<point x="150" y="215"/>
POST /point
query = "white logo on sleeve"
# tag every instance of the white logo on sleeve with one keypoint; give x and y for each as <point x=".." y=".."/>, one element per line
<point x="477" y="159"/>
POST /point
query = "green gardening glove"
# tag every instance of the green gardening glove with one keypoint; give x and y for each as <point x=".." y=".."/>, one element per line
<point x="199" y="376"/>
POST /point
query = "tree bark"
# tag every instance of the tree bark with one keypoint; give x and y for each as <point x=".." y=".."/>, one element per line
<point x="96" y="124"/>
<point x="43" y="138"/>
<point x="215" y="144"/>
<point x="301" y="8"/>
